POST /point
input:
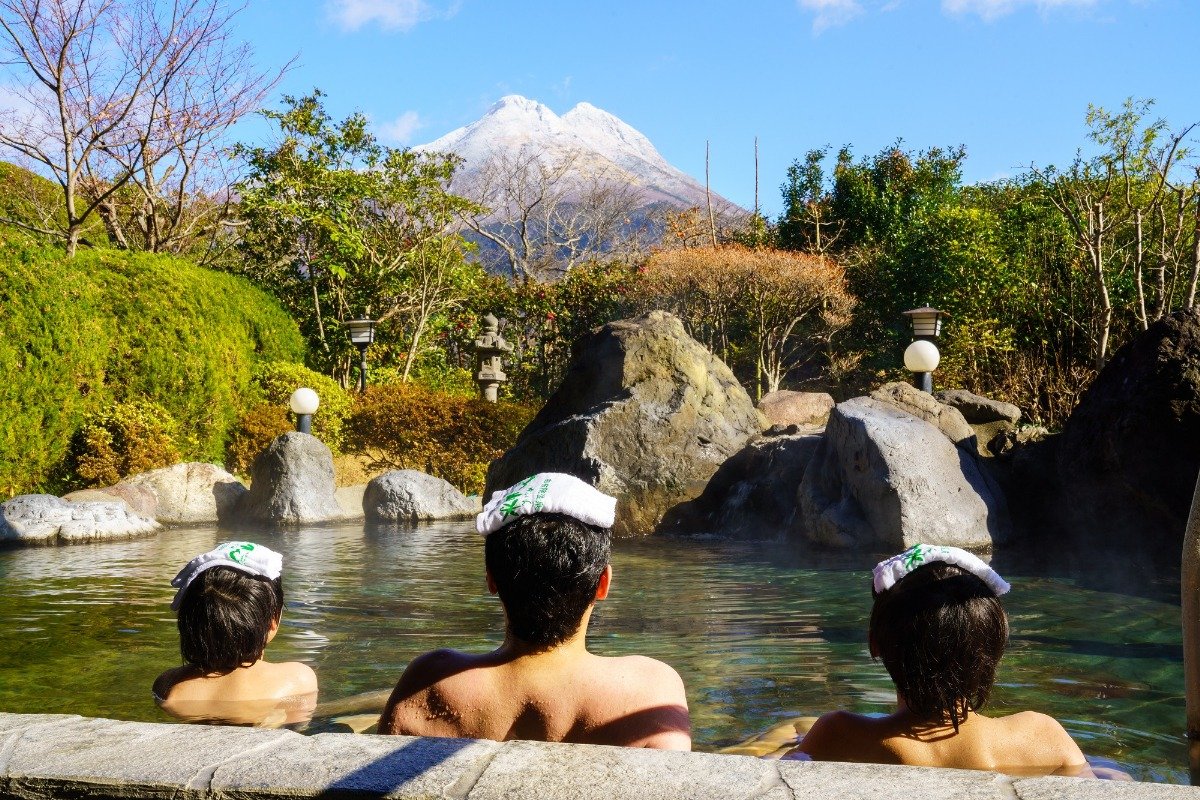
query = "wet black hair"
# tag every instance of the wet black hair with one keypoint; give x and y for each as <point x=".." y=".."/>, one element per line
<point x="940" y="632"/>
<point x="225" y="617"/>
<point x="546" y="568"/>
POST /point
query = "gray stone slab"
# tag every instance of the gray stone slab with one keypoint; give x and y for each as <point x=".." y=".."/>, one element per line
<point x="104" y="758"/>
<point x="347" y="764"/>
<point x="586" y="772"/>
<point x="1080" y="789"/>
<point x="821" y="779"/>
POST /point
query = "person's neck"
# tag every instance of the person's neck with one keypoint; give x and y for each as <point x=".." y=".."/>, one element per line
<point x="903" y="712"/>
<point x="515" y="647"/>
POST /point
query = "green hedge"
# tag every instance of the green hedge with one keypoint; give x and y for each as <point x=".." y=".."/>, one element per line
<point x="79" y="335"/>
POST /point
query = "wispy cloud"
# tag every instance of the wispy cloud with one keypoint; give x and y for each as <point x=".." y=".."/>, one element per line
<point x="390" y="15"/>
<point x="990" y="10"/>
<point x="831" y="13"/>
<point x="401" y="129"/>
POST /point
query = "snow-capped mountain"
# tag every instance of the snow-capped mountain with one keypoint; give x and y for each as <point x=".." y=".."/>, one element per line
<point x="599" y="145"/>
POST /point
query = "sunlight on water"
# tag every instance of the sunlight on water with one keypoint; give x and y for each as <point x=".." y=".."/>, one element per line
<point x="758" y="635"/>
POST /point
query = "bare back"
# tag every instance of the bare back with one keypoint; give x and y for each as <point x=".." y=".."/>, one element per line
<point x="1027" y="743"/>
<point x="263" y="694"/>
<point x="563" y="695"/>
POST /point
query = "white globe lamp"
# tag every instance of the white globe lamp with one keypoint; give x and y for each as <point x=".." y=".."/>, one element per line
<point x="304" y="402"/>
<point x="922" y="358"/>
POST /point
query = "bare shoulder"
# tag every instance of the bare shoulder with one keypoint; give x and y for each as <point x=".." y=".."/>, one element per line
<point x="650" y="670"/>
<point x="165" y="682"/>
<point x="1046" y="734"/>
<point x="298" y="676"/>
<point x="839" y="736"/>
<point x="426" y="683"/>
<point x="644" y="703"/>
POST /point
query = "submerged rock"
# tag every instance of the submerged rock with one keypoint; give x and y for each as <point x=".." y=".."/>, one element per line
<point x="408" y="495"/>
<point x="644" y="413"/>
<point x="46" y="519"/>
<point x="187" y="493"/>
<point x="885" y="479"/>
<point x="1130" y="452"/>
<point x="292" y="483"/>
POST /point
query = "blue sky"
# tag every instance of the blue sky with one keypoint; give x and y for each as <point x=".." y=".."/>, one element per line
<point x="1010" y="79"/>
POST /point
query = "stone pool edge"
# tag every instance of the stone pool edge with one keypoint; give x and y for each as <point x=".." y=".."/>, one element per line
<point x="50" y="756"/>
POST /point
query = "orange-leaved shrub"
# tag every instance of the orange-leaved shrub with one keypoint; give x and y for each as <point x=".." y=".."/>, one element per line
<point x="255" y="429"/>
<point x="124" y="439"/>
<point x="409" y="426"/>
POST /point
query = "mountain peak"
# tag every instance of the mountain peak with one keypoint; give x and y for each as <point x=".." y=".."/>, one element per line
<point x="515" y="103"/>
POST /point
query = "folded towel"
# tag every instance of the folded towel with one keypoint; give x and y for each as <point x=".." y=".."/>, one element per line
<point x="889" y="572"/>
<point x="549" y="492"/>
<point x="247" y="557"/>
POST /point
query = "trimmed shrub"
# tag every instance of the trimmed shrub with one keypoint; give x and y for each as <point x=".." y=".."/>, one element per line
<point x="126" y="438"/>
<point x="407" y="426"/>
<point x="78" y="335"/>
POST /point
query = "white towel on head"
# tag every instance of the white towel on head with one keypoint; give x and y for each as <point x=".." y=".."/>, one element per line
<point x="247" y="557"/>
<point x="547" y="492"/>
<point x="889" y="572"/>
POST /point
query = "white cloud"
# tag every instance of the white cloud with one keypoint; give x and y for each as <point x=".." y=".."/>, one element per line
<point x="401" y="129"/>
<point x="990" y="10"/>
<point x="391" y="15"/>
<point x="830" y="13"/>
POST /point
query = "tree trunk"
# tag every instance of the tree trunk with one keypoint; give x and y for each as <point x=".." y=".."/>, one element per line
<point x="1190" y="599"/>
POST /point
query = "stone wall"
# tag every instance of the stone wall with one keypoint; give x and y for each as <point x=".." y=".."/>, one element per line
<point x="43" y="756"/>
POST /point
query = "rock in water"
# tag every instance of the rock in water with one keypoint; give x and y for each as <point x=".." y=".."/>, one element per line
<point x="187" y="493"/>
<point x="884" y="480"/>
<point x="408" y="495"/>
<point x="644" y="413"/>
<point x="1129" y="453"/>
<point x="752" y="495"/>
<point x="46" y="519"/>
<point x="292" y="483"/>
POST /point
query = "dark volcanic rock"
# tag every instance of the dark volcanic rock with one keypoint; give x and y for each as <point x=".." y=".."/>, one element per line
<point x="1130" y="451"/>
<point x="752" y="495"/>
<point x="644" y="413"/>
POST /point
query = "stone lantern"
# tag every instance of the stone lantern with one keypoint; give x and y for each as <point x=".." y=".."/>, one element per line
<point x="489" y="347"/>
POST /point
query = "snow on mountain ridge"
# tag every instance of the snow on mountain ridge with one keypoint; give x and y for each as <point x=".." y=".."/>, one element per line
<point x="600" y="143"/>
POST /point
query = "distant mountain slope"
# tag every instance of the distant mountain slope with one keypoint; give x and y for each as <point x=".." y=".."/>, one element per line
<point x="598" y="145"/>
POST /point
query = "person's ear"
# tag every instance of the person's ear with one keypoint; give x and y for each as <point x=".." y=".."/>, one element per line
<point x="491" y="584"/>
<point x="605" y="583"/>
<point x="274" y="629"/>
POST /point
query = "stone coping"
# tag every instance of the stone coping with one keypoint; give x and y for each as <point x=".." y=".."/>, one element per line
<point x="66" y="756"/>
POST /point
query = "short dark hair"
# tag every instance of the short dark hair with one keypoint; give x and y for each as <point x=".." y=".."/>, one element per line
<point x="225" y="617"/>
<point x="940" y="632"/>
<point x="546" y="568"/>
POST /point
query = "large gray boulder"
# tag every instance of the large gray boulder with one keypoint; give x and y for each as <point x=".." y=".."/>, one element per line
<point x="883" y="479"/>
<point x="188" y="493"/>
<point x="46" y="519"/>
<point x="292" y="483"/>
<point x="752" y="495"/>
<point x="644" y="413"/>
<point x="920" y="404"/>
<point x="408" y="495"/>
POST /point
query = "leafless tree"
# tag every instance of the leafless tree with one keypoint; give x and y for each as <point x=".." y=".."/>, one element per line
<point x="548" y="213"/>
<point x="125" y="103"/>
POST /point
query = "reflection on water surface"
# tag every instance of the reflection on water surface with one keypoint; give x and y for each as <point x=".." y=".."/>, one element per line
<point x="759" y="635"/>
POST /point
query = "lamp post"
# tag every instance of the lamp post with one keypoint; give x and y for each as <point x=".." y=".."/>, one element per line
<point x="926" y="322"/>
<point x="304" y="402"/>
<point x="362" y="334"/>
<point x="489" y="347"/>
<point x="921" y="358"/>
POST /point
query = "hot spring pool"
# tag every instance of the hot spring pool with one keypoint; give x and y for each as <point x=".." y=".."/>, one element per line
<point x="759" y="632"/>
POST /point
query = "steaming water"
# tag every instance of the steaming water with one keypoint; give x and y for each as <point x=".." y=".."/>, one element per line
<point x="760" y="633"/>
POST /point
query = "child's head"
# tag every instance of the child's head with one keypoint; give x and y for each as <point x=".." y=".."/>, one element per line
<point x="546" y="551"/>
<point x="940" y="630"/>
<point x="228" y="605"/>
